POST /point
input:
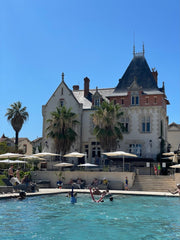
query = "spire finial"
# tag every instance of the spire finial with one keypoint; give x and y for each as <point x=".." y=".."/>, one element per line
<point x="62" y="77"/>
<point x="134" y="45"/>
<point x="143" y="49"/>
<point x="134" y="51"/>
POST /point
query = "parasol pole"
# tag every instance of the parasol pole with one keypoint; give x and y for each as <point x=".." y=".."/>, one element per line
<point x="123" y="163"/>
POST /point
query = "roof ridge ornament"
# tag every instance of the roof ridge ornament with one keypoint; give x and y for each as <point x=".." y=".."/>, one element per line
<point x="143" y="50"/>
<point x="134" y="53"/>
<point x="62" y="77"/>
<point x="138" y="54"/>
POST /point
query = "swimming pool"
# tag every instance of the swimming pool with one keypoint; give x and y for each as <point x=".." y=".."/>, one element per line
<point x="54" y="217"/>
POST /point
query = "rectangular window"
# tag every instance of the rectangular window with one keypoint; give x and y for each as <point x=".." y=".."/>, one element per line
<point x="143" y="127"/>
<point x="155" y="100"/>
<point x="24" y="148"/>
<point x="147" y="100"/>
<point x="86" y="150"/>
<point x="146" y="125"/>
<point x="61" y="102"/>
<point x="125" y="124"/>
<point x="134" y="100"/>
<point x="137" y="100"/>
<point x="135" y="149"/>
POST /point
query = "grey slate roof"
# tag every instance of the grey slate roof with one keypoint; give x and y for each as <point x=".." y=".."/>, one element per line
<point x="79" y="95"/>
<point x="139" y="71"/>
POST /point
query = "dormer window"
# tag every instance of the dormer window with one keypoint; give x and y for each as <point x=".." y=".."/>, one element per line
<point x="97" y="98"/>
<point x="97" y="102"/>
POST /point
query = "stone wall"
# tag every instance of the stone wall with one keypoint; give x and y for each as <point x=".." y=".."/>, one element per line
<point x="53" y="176"/>
<point x="177" y="177"/>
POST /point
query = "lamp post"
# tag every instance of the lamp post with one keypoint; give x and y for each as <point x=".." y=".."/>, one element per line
<point x="150" y="145"/>
<point x="160" y="141"/>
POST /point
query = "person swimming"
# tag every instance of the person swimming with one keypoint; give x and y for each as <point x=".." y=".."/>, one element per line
<point x="73" y="196"/>
<point x="22" y="195"/>
<point x="104" y="194"/>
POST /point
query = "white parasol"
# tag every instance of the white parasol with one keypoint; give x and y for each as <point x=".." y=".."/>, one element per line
<point x="10" y="155"/>
<point x="87" y="165"/>
<point x="63" y="164"/>
<point x="168" y="154"/>
<point x="32" y="157"/>
<point x="45" y="154"/>
<point x="75" y="154"/>
<point x="6" y="161"/>
<point x="119" y="154"/>
<point x="174" y="158"/>
<point x="19" y="161"/>
<point x="175" y="166"/>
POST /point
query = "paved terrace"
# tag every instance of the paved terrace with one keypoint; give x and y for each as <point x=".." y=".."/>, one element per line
<point x="51" y="191"/>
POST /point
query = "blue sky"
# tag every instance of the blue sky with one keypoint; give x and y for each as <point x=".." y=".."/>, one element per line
<point x="41" y="39"/>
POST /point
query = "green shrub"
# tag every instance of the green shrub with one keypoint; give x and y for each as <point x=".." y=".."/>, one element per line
<point x="1" y="180"/>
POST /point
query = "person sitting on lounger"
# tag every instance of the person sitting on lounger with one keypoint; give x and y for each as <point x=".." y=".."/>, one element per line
<point x="10" y="172"/>
<point x="95" y="182"/>
<point x="25" y="180"/>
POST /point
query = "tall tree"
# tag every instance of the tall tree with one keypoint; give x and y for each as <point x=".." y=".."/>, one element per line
<point x="107" y="126"/>
<point x="17" y="115"/>
<point x="61" y="128"/>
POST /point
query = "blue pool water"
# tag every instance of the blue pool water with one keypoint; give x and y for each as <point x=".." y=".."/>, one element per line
<point x="54" y="217"/>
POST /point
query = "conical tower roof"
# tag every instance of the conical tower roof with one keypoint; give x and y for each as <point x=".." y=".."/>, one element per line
<point x="139" y="71"/>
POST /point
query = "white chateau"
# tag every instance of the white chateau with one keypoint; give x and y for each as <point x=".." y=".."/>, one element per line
<point x="144" y="105"/>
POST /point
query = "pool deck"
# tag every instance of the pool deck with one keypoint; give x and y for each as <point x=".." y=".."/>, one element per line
<point x="50" y="191"/>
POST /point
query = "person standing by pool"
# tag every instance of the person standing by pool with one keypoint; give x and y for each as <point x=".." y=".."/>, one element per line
<point x="126" y="184"/>
<point x="10" y="172"/>
<point x="159" y="169"/>
<point x="155" y="170"/>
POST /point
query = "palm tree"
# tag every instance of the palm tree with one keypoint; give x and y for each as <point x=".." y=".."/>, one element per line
<point x="61" y="129"/>
<point x="17" y="115"/>
<point x="107" y="127"/>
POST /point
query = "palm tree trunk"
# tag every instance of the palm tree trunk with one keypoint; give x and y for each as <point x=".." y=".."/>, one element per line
<point x="16" y="141"/>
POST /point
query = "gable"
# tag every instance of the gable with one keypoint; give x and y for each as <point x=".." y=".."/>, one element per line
<point x="174" y="127"/>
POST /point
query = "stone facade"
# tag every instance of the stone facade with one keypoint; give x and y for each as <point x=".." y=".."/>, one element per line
<point x="174" y="136"/>
<point x="143" y="103"/>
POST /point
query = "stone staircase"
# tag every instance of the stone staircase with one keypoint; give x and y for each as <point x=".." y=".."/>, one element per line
<point x="153" y="183"/>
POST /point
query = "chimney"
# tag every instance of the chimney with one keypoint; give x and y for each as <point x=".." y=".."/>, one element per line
<point x="155" y="75"/>
<point x="86" y="86"/>
<point x="75" y="87"/>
